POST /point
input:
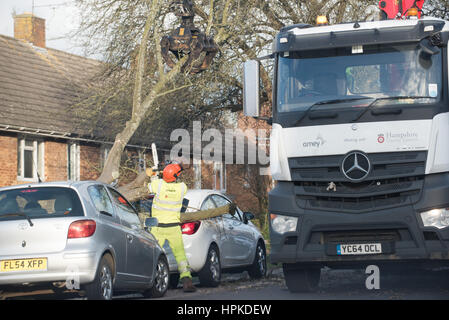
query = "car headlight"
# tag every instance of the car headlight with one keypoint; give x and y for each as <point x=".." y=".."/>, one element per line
<point x="283" y="224"/>
<point x="438" y="218"/>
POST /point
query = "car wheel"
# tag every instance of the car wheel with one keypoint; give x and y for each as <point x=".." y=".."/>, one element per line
<point x="210" y="274"/>
<point x="160" y="284"/>
<point x="302" y="279"/>
<point x="259" y="267"/>
<point x="174" y="281"/>
<point x="102" y="287"/>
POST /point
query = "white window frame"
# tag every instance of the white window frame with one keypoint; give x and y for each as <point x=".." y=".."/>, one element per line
<point x="105" y="149"/>
<point x="73" y="161"/>
<point x="38" y="150"/>
<point x="220" y="168"/>
<point x="197" y="169"/>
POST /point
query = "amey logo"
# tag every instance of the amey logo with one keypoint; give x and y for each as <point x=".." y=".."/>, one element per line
<point x="319" y="141"/>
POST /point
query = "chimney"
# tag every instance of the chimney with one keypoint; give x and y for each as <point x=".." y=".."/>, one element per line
<point x="30" y="28"/>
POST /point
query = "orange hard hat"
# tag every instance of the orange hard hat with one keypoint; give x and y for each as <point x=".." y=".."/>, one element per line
<point x="171" y="172"/>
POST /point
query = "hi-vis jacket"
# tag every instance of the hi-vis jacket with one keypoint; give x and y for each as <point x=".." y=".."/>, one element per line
<point x="167" y="201"/>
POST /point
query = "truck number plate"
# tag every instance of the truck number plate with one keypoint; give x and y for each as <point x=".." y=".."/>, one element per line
<point x="364" y="248"/>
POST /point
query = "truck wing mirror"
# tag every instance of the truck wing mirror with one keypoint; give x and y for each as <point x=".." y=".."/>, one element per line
<point x="427" y="47"/>
<point x="251" y="88"/>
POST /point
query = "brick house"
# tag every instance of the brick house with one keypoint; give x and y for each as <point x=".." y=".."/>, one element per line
<point x="38" y="132"/>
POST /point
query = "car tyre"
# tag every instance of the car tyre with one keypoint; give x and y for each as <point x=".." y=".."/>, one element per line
<point x="102" y="286"/>
<point x="210" y="274"/>
<point x="259" y="267"/>
<point x="305" y="279"/>
<point x="174" y="280"/>
<point x="161" y="280"/>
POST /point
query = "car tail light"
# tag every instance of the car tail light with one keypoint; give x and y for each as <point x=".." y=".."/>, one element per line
<point x="190" y="227"/>
<point x="81" y="229"/>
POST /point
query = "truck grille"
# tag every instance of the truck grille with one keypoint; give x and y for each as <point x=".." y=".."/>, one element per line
<point x="396" y="179"/>
<point x="359" y="236"/>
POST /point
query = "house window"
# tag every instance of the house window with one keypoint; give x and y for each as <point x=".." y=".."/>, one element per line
<point x="30" y="159"/>
<point x="73" y="161"/>
<point x="219" y="176"/>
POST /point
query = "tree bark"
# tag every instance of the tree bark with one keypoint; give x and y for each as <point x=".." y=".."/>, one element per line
<point x="204" y="214"/>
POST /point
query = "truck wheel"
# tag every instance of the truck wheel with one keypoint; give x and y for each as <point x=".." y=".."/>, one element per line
<point x="160" y="284"/>
<point x="302" y="279"/>
<point x="210" y="274"/>
<point x="259" y="267"/>
<point x="102" y="286"/>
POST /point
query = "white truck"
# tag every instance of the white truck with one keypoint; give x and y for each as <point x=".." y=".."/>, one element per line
<point x="359" y="146"/>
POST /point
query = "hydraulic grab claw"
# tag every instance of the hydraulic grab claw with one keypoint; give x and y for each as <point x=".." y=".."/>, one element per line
<point x="188" y="40"/>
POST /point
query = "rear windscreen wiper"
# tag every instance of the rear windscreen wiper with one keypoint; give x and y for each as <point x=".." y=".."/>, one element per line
<point x="395" y="111"/>
<point x="331" y="101"/>
<point x="20" y="214"/>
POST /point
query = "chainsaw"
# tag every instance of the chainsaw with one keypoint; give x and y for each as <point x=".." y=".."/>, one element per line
<point x="188" y="40"/>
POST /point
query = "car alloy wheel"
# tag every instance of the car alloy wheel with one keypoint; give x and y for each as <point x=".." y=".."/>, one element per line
<point x="214" y="265"/>
<point x="106" y="282"/>
<point x="102" y="286"/>
<point x="210" y="274"/>
<point x="261" y="260"/>
<point x="161" y="280"/>
<point x="159" y="286"/>
<point x="258" y="269"/>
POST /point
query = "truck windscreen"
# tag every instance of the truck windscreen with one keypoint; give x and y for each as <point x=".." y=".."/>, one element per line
<point x="342" y="75"/>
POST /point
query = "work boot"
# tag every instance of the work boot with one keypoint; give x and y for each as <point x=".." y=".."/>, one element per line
<point x="187" y="285"/>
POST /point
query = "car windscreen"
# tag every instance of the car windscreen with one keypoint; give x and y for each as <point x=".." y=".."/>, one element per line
<point x="348" y="78"/>
<point x="39" y="202"/>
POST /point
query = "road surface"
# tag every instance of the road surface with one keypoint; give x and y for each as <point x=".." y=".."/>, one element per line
<point x="334" y="284"/>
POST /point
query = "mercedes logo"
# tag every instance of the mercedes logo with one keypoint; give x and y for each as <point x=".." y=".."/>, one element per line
<point x="356" y="166"/>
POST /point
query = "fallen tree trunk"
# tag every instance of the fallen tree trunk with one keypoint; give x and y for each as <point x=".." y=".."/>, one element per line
<point x="197" y="215"/>
<point x="204" y="214"/>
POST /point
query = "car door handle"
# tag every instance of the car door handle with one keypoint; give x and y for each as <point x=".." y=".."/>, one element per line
<point x="129" y="237"/>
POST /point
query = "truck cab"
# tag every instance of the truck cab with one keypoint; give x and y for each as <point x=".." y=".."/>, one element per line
<point x="358" y="147"/>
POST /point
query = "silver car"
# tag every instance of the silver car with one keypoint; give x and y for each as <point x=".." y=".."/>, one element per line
<point x="223" y="244"/>
<point x="84" y="235"/>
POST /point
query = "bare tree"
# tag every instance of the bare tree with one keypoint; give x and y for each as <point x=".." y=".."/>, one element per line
<point x="137" y="88"/>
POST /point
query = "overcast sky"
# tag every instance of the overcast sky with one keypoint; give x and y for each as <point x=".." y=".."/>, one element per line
<point x="60" y="19"/>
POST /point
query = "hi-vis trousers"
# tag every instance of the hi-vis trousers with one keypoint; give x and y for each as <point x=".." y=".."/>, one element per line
<point x="174" y="237"/>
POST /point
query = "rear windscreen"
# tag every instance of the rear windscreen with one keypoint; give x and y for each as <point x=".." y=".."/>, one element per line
<point x="40" y="202"/>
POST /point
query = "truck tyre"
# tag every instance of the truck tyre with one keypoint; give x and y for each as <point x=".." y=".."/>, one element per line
<point x="160" y="283"/>
<point x="259" y="267"/>
<point x="210" y="274"/>
<point x="304" y="279"/>
<point x="102" y="286"/>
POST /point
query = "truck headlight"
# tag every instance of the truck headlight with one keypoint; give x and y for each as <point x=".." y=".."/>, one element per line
<point x="438" y="218"/>
<point x="283" y="224"/>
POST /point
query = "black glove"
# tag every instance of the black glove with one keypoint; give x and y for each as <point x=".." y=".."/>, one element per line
<point x="232" y="208"/>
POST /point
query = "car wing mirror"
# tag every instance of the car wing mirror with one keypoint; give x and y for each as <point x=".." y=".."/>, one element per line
<point x="248" y="216"/>
<point x="151" y="222"/>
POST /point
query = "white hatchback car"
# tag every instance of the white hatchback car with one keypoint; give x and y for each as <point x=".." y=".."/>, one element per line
<point x="223" y="244"/>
